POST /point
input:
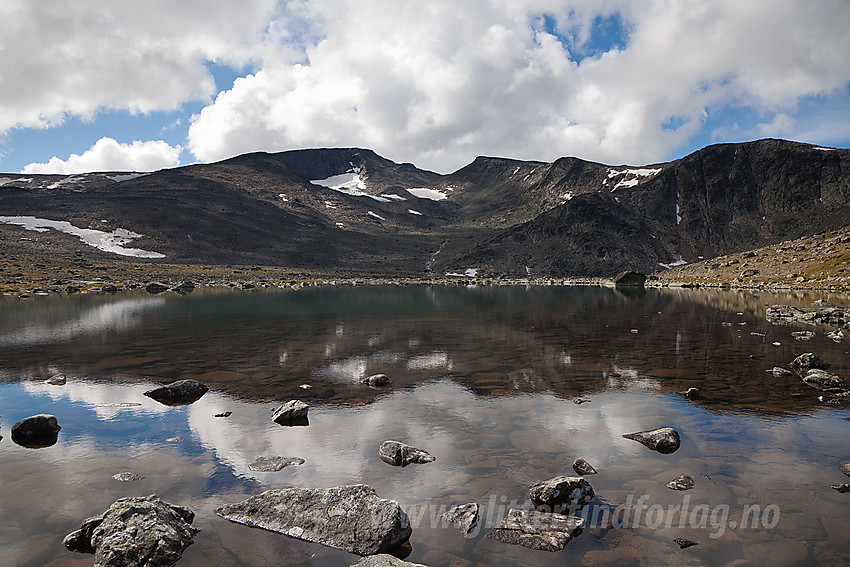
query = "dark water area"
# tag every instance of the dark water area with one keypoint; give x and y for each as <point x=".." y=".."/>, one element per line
<point x="485" y="379"/>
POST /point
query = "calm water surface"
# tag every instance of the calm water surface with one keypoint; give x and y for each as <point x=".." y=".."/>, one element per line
<point x="483" y="378"/>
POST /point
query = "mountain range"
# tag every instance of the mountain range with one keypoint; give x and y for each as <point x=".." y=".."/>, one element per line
<point x="351" y="211"/>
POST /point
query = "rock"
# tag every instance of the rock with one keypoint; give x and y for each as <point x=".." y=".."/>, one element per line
<point x="178" y="393"/>
<point x="127" y="476"/>
<point x="156" y="287"/>
<point x="561" y="493"/>
<point x="822" y="379"/>
<point x="629" y="279"/>
<point x="579" y="401"/>
<point x="463" y="517"/>
<point x="174" y="439"/>
<point x="135" y="532"/>
<point x="383" y="560"/>
<point x="293" y="412"/>
<point x="224" y="414"/>
<point x="400" y="454"/>
<point x="36" y="431"/>
<point x="109" y="288"/>
<point x="803" y="335"/>
<point x="807" y="361"/>
<point x="352" y="518"/>
<point x="56" y="380"/>
<point x="376" y="380"/>
<point x="665" y="440"/>
<point x="274" y="464"/>
<point x="184" y="288"/>
<point x="537" y="530"/>
<point x="836" y="336"/>
<point x="692" y="393"/>
<point x="682" y="482"/>
<point x="583" y="467"/>
<point x="684" y="543"/>
<point x="780" y="372"/>
<point x="845" y="468"/>
<point x="842" y="488"/>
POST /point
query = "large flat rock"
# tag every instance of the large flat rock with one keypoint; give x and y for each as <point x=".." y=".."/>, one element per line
<point x="353" y="518"/>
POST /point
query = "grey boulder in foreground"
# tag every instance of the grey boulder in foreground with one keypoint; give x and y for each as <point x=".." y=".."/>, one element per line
<point x="137" y="531"/>
<point x="537" y="530"/>
<point x="664" y="440"/>
<point x="178" y="393"/>
<point x="293" y="412"/>
<point x="352" y="518"/>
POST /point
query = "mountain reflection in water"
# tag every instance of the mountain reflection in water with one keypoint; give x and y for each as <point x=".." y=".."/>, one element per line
<point x="484" y="379"/>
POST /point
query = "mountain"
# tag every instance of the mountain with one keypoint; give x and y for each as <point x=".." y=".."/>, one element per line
<point x="352" y="211"/>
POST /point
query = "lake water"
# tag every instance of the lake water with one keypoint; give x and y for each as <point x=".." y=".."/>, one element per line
<point x="485" y="379"/>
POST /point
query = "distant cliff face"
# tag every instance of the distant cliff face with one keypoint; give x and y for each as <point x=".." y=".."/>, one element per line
<point x="354" y="211"/>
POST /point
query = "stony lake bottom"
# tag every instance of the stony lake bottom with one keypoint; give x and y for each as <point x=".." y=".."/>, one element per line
<point x="485" y="379"/>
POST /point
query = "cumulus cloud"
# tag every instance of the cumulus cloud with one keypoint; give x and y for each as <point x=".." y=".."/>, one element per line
<point x="439" y="82"/>
<point x="75" y="58"/>
<point x="109" y="155"/>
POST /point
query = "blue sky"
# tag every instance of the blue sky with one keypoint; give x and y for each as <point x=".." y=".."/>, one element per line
<point x="101" y="85"/>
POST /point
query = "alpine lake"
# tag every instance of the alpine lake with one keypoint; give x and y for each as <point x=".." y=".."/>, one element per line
<point x="504" y="386"/>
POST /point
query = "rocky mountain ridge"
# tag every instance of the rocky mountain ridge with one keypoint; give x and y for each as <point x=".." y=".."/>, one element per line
<point x="353" y="211"/>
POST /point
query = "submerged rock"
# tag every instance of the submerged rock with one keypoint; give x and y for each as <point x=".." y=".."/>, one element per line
<point x="682" y="482"/>
<point x="845" y="468"/>
<point x="463" y="517"/>
<point x="137" y="531"/>
<point x="665" y="440"/>
<point x="803" y="335"/>
<point x="684" y="543"/>
<point x="127" y="476"/>
<point x="352" y="518"/>
<point x="537" y="530"/>
<point x="836" y="336"/>
<point x="561" y="493"/>
<point x="376" y="380"/>
<point x="383" y="560"/>
<point x="583" y="467"/>
<point x="823" y="380"/>
<point x="178" y="393"/>
<point x="293" y="412"/>
<point x="37" y="431"/>
<point x="274" y="464"/>
<point x="397" y="454"/>
<point x="780" y="372"/>
<point x="807" y="361"/>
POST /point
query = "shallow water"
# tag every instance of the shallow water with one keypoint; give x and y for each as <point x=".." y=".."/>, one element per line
<point x="484" y="378"/>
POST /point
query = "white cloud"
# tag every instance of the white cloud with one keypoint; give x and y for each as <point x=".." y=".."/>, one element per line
<point x="109" y="155"/>
<point x="438" y="82"/>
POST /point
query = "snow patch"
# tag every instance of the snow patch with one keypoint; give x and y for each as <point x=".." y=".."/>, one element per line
<point x="107" y="241"/>
<point x="348" y="183"/>
<point x="125" y="177"/>
<point x="393" y="197"/>
<point x="412" y="212"/>
<point x="567" y="196"/>
<point x="515" y="171"/>
<point x="678" y="216"/>
<point x="283" y="197"/>
<point x="467" y="273"/>
<point x="376" y="215"/>
<point x="677" y="261"/>
<point x="631" y="176"/>
<point x="432" y="194"/>
<point x="826" y="149"/>
<point x="70" y="179"/>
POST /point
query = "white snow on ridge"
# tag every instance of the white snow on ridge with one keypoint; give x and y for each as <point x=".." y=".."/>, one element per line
<point x="826" y="149"/>
<point x="125" y="177"/>
<point x="432" y="194"/>
<point x="348" y="183"/>
<point x="107" y="241"/>
<point x="677" y="261"/>
<point x="632" y="176"/>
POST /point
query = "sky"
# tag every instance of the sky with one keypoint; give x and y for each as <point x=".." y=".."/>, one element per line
<point x="100" y="85"/>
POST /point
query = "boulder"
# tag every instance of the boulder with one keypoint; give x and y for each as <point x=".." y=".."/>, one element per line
<point x="807" y="361"/>
<point x="561" y="493"/>
<point x="692" y="393"/>
<point x="184" y="288"/>
<point x="274" y="464"/>
<point x="136" y="531"/>
<point x="376" y="380"/>
<point x="845" y="468"/>
<point x="780" y="372"/>
<point x="156" y="287"/>
<point x="822" y="380"/>
<point x="583" y="467"/>
<point x="630" y="279"/>
<point x="383" y="560"/>
<point x="537" y="530"/>
<point x="842" y="488"/>
<point x="684" y="543"/>
<point x="178" y="393"/>
<point x="665" y="440"/>
<point x="36" y="431"/>
<point x="293" y="412"/>
<point x="398" y="454"/>
<point x="836" y="336"/>
<point x="681" y="482"/>
<point x="463" y="517"/>
<point x="56" y="380"/>
<point x="803" y="335"/>
<point x="352" y="518"/>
